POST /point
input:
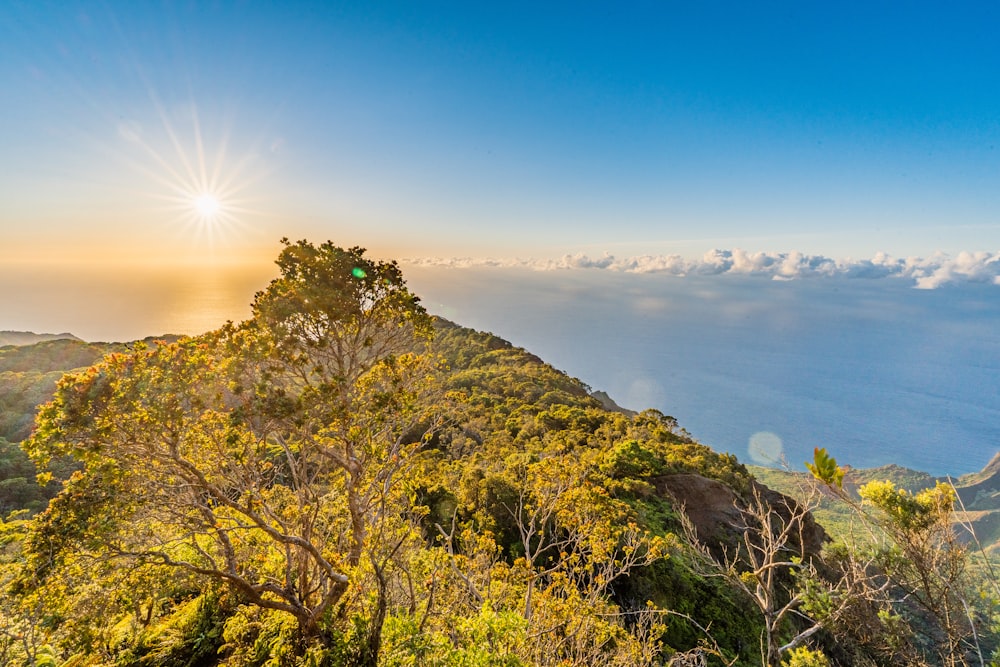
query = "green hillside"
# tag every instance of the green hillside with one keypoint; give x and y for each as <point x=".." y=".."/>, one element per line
<point x="345" y="480"/>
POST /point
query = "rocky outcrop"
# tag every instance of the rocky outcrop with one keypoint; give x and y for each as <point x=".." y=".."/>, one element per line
<point x="717" y="517"/>
<point x="710" y="506"/>
<point x="609" y="404"/>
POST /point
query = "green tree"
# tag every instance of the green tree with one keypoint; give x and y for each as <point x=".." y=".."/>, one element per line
<point x="265" y="455"/>
<point x="926" y="558"/>
<point x="18" y="489"/>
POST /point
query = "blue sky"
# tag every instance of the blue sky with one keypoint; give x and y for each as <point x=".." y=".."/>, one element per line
<point x="506" y="129"/>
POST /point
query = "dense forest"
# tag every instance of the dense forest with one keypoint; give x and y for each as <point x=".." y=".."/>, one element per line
<point x="343" y="479"/>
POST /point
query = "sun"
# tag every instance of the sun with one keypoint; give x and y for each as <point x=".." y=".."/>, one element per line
<point x="204" y="190"/>
<point x="208" y="207"/>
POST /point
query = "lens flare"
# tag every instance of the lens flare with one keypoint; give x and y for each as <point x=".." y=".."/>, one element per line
<point x="765" y="448"/>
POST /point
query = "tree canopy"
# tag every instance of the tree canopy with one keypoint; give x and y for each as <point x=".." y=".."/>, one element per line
<point x="264" y="455"/>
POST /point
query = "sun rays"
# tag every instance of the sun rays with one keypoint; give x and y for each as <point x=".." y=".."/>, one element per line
<point x="202" y="191"/>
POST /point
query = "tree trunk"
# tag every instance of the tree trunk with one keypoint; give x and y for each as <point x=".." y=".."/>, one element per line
<point x="373" y="641"/>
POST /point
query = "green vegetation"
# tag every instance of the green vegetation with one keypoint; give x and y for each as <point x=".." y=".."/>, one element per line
<point x="344" y="480"/>
<point x="28" y="377"/>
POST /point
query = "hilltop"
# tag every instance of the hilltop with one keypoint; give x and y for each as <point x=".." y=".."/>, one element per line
<point x="29" y="338"/>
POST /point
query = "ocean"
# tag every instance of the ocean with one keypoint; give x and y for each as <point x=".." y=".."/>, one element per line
<point x="872" y="369"/>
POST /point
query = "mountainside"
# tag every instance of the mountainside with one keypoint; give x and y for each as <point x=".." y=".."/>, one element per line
<point x="345" y="481"/>
<point x="980" y="490"/>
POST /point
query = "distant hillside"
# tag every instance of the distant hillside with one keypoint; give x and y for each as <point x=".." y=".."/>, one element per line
<point x="28" y="376"/>
<point x="978" y="494"/>
<point x="29" y="372"/>
<point x="982" y="487"/>
<point x="30" y="338"/>
<point x="58" y="354"/>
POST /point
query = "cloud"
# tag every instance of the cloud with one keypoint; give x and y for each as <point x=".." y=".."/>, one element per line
<point x="978" y="267"/>
<point x="925" y="273"/>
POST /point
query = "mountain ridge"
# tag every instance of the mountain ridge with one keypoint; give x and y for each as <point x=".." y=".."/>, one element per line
<point x="19" y="338"/>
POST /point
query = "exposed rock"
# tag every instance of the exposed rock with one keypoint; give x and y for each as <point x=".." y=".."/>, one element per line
<point x="609" y="404"/>
<point x="812" y="534"/>
<point x="714" y="510"/>
<point x="710" y="505"/>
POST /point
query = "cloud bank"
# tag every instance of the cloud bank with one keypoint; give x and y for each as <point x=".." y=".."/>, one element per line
<point x="926" y="273"/>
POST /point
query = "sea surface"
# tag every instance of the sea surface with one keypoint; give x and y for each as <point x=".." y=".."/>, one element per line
<point x="872" y="369"/>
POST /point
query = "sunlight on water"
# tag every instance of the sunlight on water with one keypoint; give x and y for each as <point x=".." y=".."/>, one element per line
<point x="127" y="302"/>
<point x="203" y="300"/>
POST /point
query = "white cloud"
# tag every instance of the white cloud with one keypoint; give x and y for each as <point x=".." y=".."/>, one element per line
<point x="978" y="267"/>
<point x="926" y="273"/>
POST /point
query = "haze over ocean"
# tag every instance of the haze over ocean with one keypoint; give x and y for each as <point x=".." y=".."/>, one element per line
<point x="872" y="369"/>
